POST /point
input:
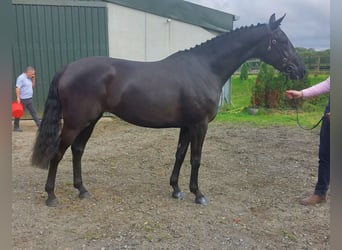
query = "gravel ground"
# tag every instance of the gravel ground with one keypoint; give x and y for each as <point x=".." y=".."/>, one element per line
<point x="253" y="178"/>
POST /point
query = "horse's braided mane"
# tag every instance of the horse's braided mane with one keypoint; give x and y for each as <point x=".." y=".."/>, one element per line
<point x="222" y="36"/>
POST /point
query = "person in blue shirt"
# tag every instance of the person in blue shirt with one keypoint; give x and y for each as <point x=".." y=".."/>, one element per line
<point x="24" y="92"/>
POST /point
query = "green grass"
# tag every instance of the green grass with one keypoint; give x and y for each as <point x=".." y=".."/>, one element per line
<point x="269" y="117"/>
<point x="237" y="111"/>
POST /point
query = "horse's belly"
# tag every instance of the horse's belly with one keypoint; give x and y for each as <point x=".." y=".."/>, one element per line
<point x="149" y="116"/>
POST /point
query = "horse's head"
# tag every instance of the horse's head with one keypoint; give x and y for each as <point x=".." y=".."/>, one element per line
<point x="278" y="51"/>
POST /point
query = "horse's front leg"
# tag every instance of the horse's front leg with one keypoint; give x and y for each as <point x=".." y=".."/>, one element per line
<point x="197" y="136"/>
<point x="183" y="144"/>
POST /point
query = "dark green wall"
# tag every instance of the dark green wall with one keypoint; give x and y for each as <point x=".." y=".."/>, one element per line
<point x="50" y="36"/>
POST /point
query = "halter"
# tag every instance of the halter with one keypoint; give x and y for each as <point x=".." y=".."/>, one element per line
<point x="286" y="60"/>
<point x="286" y="65"/>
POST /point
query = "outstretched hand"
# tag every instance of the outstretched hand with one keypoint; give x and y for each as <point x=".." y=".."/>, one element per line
<point x="294" y="94"/>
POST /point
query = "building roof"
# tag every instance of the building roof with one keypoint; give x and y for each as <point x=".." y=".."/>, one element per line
<point x="183" y="11"/>
<point x="180" y="10"/>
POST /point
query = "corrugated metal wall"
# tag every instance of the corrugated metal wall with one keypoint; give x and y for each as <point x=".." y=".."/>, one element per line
<point x="48" y="37"/>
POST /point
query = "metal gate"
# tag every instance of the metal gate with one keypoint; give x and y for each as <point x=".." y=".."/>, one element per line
<point x="51" y="34"/>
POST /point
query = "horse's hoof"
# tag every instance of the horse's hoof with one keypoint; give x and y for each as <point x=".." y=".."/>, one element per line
<point x="201" y="200"/>
<point x="84" y="195"/>
<point x="178" y="195"/>
<point x="51" y="202"/>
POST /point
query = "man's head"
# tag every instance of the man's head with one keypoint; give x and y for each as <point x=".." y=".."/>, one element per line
<point x="30" y="72"/>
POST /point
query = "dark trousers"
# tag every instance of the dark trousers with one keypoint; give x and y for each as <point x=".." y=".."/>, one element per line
<point x="28" y="104"/>
<point x="324" y="158"/>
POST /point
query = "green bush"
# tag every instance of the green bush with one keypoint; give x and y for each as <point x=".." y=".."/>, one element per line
<point x="269" y="88"/>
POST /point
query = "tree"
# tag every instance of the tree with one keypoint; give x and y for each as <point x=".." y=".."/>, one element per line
<point x="244" y="72"/>
<point x="265" y="75"/>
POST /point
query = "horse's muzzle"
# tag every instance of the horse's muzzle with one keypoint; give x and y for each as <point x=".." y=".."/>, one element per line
<point x="295" y="72"/>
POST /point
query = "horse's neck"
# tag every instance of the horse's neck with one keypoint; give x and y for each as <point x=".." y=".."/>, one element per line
<point x="225" y="54"/>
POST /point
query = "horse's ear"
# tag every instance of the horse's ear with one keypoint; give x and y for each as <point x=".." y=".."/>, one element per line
<point x="275" y="23"/>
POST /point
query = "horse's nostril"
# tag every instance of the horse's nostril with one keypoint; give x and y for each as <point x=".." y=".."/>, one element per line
<point x="289" y="69"/>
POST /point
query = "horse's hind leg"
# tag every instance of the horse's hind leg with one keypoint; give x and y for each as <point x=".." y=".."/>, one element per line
<point x="67" y="137"/>
<point x="77" y="151"/>
<point x="50" y="183"/>
<point x="182" y="147"/>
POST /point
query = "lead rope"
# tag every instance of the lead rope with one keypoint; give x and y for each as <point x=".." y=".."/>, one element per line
<point x="302" y="127"/>
<point x="297" y="116"/>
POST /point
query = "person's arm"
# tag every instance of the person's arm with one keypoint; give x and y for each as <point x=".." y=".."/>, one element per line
<point x="33" y="78"/>
<point x="17" y="89"/>
<point x="17" y="92"/>
<point x="318" y="89"/>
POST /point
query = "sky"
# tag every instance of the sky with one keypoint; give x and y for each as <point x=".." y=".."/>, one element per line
<point x="307" y="22"/>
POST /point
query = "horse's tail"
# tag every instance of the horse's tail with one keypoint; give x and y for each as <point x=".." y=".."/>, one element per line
<point x="48" y="135"/>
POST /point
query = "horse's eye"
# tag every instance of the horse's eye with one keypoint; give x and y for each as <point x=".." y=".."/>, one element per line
<point x="284" y="60"/>
<point x="274" y="41"/>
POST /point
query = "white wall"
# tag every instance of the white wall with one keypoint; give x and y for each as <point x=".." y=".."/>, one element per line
<point x="137" y="35"/>
<point x="141" y="36"/>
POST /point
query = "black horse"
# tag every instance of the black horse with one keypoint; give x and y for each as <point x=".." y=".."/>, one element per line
<point x="181" y="91"/>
